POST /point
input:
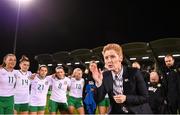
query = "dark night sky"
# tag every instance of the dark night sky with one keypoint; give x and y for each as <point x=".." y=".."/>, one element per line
<point x="49" y="26"/>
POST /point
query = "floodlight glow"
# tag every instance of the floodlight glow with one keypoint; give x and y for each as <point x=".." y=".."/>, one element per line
<point x="50" y="64"/>
<point x="176" y="55"/>
<point x="161" y="56"/>
<point x="97" y="61"/>
<point x="145" y="57"/>
<point x="68" y="64"/>
<point x="87" y="62"/>
<point x="21" y="2"/>
<point x="76" y="63"/>
<point x="59" y="64"/>
<point x="132" y="58"/>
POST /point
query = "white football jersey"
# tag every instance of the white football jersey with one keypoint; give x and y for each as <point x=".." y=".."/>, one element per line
<point x="59" y="89"/>
<point x="7" y="82"/>
<point x="76" y="88"/>
<point x="21" y="94"/>
<point x="39" y="90"/>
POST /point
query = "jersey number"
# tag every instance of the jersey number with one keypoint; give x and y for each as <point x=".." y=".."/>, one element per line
<point x="41" y="87"/>
<point x="24" y="81"/>
<point x="11" y="79"/>
<point x="60" y="85"/>
<point x="78" y="86"/>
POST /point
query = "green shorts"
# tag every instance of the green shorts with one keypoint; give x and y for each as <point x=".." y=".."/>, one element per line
<point x="7" y="105"/>
<point x="55" y="106"/>
<point x="36" y="108"/>
<point x="76" y="102"/>
<point x="104" y="102"/>
<point x="21" y="107"/>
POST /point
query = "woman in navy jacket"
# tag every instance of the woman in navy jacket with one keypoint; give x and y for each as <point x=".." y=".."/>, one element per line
<point x="131" y="96"/>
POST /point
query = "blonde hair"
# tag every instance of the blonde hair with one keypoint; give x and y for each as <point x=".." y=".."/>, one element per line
<point x="76" y="70"/>
<point x="5" y="57"/>
<point x="113" y="46"/>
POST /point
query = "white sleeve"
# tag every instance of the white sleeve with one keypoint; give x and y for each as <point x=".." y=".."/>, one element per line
<point x="16" y="73"/>
<point x="83" y="82"/>
<point x="29" y="74"/>
<point x="49" y="79"/>
<point x="69" y="82"/>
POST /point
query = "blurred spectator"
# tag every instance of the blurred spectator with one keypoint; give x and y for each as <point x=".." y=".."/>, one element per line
<point x="89" y="90"/>
<point x="171" y="84"/>
<point x="156" y="99"/>
<point x="144" y="73"/>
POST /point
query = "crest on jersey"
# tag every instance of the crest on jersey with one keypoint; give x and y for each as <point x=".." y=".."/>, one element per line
<point x="16" y="76"/>
<point x="46" y="83"/>
<point x="91" y="83"/>
<point x="65" y="83"/>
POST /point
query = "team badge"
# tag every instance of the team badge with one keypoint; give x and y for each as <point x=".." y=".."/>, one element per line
<point x="91" y="83"/>
<point x="65" y="83"/>
<point x="3" y="73"/>
<point x="46" y="83"/>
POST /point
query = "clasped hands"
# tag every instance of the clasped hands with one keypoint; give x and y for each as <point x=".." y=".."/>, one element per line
<point x="119" y="98"/>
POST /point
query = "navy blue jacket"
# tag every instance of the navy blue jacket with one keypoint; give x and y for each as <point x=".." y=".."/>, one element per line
<point x="134" y="88"/>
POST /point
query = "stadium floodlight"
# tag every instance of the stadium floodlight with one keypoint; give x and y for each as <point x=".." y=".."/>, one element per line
<point x="19" y="3"/>
<point x="132" y="58"/>
<point x="161" y="56"/>
<point x="97" y="61"/>
<point x="145" y="57"/>
<point x="176" y="55"/>
<point x="87" y="62"/>
<point x="50" y="65"/>
<point x="24" y="2"/>
<point x="77" y="63"/>
<point x="59" y="64"/>
<point x="68" y="63"/>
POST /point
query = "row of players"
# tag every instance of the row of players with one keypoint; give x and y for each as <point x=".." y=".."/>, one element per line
<point x="21" y="91"/>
